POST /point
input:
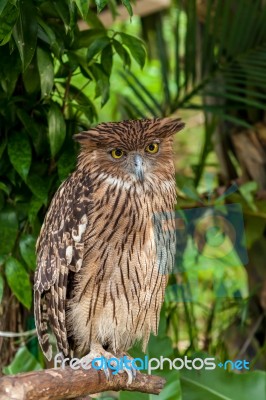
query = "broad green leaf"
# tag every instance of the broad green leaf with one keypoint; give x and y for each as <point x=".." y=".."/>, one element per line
<point x="122" y="52"/>
<point x="34" y="207"/>
<point x="56" y="128"/>
<point x="38" y="186"/>
<point x="97" y="46"/>
<point x="100" y="4"/>
<point x="87" y="37"/>
<point x="8" y="19"/>
<point x="18" y="280"/>
<point x="23" y="361"/>
<point x="33" y="129"/>
<point x="102" y="83"/>
<point x="219" y="384"/>
<point x="55" y="43"/>
<point x="135" y="46"/>
<point x="19" y="151"/>
<point x="128" y="6"/>
<point x="107" y="59"/>
<point x="27" y="249"/>
<point x="31" y="77"/>
<point x="2" y="284"/>
<point x="8" y="231"/>
<point x="10" y="70"/>
<point x="46" y="71"/>
<point x="25" y="32"/>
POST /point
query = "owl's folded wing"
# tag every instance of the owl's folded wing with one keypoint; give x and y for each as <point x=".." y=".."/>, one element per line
<point x="60" y="248"/>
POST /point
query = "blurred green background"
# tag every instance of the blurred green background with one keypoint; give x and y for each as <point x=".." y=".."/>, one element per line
<point x="67" y="65"/>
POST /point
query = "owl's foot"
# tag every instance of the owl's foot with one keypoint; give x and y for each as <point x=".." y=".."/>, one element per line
<point x="127" y="367"/>
<point x="99" y="358"/>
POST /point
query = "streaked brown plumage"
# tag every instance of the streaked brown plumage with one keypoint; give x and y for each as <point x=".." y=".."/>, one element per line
<point x="101" y="262"/>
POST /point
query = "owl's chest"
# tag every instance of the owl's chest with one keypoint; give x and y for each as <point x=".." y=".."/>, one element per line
<point x="126" y="234"/>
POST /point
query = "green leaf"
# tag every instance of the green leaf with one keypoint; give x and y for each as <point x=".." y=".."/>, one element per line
<point x="31" y="77"/>
<point x="83" y="7"/>
<point x="55" y="43"/>
<point x="107" y="59"/>
<point x="56" y="128"/>
<point x="27" y="249"/>
<point x="248" y="191"/>
<point x="223" y="385"/>
<point x="38" y="186"/>
<point x="85" y="105"/>
<point x="4" y="188"/>
<point x="8" y="231"/>
<point x="66" y="163"/>
<point x="8" y="19"/>
<point x="135" y="46"/>
<point x="23" y="361"/>
<point x="19" y="151"/>
<point x="63" y="12"/>
<point x="25" y="32"/>
<point x="122" y="52"/>
<point x="33" y="130"/>
<point x="102" y="83"/>
<point x="100" y="4"/>
<point x="87" y="37"/>
<point x="94" y="21"/>
<point x="97" y="46"/>
<point x="35" y="205"/>
<point x="46" y="71"/>
<point x="3" y="3"/>
<point x="128" y="7"/>
<point x="2" y="286"/>
<point x="18" y="281"/>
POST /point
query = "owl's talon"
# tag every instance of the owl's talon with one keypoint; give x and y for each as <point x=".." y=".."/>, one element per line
<point x="131" y="373"/>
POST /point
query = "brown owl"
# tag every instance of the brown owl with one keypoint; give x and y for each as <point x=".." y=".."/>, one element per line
<point x="103" y="254"/>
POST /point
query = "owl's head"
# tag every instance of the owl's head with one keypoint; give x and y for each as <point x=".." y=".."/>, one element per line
<point x="136" y="149"/>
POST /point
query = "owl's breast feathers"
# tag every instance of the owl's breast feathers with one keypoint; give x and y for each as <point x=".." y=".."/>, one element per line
<point x="104" y="233"/>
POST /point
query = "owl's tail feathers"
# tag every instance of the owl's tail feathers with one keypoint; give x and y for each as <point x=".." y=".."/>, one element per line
<point x="41" y="321"/>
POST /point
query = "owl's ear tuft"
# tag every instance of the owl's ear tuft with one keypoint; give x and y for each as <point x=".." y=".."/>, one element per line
<point x="170" y="126"/>
<point x="85" y="137"/>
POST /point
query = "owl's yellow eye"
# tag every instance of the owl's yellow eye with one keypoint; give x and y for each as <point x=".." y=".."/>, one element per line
<point x="152" y="148"/>
<point x="117" y="153"/>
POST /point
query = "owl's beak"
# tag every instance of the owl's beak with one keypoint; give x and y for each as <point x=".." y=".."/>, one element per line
<point x="139" y="167"/>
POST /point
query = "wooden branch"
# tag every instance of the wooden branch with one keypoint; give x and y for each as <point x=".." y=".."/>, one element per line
<point x="59" y="384"/>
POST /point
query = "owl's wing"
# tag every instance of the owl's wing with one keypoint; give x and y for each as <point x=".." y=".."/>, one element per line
<point x="60" y="248"/>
